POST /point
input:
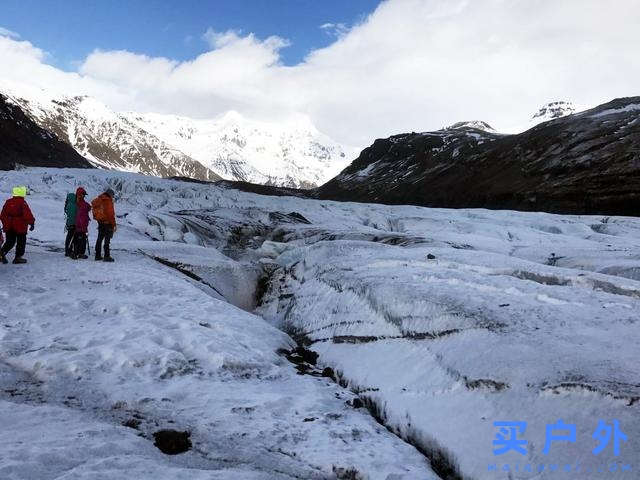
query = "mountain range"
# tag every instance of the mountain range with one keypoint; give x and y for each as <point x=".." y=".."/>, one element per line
<point x="293" y="154"/>
<point x="587" y="162"/>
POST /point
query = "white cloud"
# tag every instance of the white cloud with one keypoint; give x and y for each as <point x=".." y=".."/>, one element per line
<point x="335" y="29"/>
<point x="5" y="32"/>
<point x="235" y="74"/>
<point x="218" y="40"/>
<point x="411" y="65"/>
<point x="29" y="70"/>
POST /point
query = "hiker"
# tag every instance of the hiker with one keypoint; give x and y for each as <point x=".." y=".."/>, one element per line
<point x="70" y="226"/>
<point x="16" y="216"/>
<point x="105" y="215"/>
<point x="81" y="225"/>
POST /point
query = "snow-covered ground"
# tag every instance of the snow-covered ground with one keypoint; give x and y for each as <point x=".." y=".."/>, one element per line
<point x="441" y="321"/>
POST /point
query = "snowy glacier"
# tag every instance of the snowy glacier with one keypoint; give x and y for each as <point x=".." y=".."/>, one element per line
<point x="438" y="322"/>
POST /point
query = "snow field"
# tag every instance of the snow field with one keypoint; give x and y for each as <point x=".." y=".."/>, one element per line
<point x="87" y="346"/>
<point x="493" y="328"/>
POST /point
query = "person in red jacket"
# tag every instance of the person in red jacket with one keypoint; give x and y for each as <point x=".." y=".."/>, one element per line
<point x="81" y="224"/>
<point x="16" y="216"/>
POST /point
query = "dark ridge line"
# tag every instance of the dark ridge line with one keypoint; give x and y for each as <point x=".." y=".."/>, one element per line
<point x="181" y="268"/>
<point x="440" y="460"/>
<point x="355" y="339"/>
<point x="631" y="399"/>
<point x="594" y="283"/>
<point x="336" y="324"/>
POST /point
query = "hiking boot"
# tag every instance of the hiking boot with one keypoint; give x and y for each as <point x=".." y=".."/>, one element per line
<point x="82" y="257"/>
<point x="108" y="259"/>
<point x="98" y="258"/>
<point x="19" y="260"/>
<point x="3" y="259"/>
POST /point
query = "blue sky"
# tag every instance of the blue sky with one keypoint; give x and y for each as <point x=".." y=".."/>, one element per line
<point x="71" y="29"/>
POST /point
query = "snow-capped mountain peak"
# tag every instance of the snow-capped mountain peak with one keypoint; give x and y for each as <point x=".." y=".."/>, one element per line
<point x="292" y="154"/>
<point x="92" y="109"/>
<point x="475" y="124"/>
<point x="547" y="112"/>
<point x="553" y="110"/>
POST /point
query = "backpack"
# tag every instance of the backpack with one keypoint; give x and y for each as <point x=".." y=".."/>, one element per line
<point x="70" y="208"/>
<point x="99" y="213"/>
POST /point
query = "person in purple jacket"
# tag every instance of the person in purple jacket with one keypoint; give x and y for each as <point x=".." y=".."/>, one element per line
<point x="81" y="225"/>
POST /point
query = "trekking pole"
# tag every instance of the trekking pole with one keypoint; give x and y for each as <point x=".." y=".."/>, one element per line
<point x="88" y="244"/>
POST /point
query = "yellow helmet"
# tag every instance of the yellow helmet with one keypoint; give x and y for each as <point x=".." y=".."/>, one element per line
<point x="20" y="191"/>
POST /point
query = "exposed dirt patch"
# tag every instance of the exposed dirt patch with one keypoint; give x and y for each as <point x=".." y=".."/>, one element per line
<point x="172" y="442"/>
<point x="540" y="278"/>
<point x="349" y="473"/>
<point x="305" y="360"/>
<point x="485" y="384"/>
<point x="132" y="423"/>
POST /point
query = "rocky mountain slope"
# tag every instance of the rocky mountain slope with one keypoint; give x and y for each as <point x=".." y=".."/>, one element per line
<point x="25" y="143"/>
<point x="587" y="162"/>
<point x="106" y="138"/>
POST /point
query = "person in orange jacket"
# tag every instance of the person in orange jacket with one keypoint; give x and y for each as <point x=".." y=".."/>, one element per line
<point x="16" y="216"/>
<point x="104" y="213"/>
